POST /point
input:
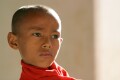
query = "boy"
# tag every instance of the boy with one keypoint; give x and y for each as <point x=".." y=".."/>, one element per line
<point x="36" y="33"/>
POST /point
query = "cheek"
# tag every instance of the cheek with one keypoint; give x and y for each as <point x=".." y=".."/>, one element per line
<point x="27" y="51"/>
<point x="25" y="46"/>
<point x="56" y="45"/>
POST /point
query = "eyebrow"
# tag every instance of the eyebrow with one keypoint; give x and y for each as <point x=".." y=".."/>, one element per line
<point x="35" y="28"/>
<point x="38" y="28"/>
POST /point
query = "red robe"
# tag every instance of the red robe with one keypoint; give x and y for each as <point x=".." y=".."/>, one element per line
<point x="55" y="72"/>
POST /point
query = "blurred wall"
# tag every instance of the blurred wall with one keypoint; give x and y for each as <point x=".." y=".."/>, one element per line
<point x="76" y="54"/>
<point x="107" y="39"/>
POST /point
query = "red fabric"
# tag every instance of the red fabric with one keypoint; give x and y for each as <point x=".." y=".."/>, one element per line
<point x="55" y="72"/>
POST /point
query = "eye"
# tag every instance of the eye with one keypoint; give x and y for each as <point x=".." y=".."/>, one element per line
<point x="37" y="34"/>
<point x="55" y="36"/>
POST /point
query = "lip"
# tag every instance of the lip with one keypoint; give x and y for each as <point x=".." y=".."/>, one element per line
<point x="45" y="54"/>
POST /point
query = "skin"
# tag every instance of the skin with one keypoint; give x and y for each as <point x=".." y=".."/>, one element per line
<point x="39" y="39"/>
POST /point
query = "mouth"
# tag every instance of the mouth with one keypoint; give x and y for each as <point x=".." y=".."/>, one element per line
<point x="46" y="54"/>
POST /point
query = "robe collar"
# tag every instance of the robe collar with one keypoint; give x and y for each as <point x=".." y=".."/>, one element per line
<point x="54" y="72"/>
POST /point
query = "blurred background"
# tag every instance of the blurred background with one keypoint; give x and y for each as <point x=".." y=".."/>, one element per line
<point x="91" y="32"/>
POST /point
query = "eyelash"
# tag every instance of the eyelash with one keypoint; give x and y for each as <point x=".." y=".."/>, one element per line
<point x="55" y="36"/>
<point x="37" y="34"/>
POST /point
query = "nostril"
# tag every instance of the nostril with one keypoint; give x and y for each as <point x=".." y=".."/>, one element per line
<point x="46" y="46"/>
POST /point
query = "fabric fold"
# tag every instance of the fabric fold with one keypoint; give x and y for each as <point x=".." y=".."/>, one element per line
<point x="54" y="72"/>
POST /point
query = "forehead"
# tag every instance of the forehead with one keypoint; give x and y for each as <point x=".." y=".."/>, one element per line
<point x="40" y="21"/>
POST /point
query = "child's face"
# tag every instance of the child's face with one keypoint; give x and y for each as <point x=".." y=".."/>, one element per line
<point x="39" y="40"/>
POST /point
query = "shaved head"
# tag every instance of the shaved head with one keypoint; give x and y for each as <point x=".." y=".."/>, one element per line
<point x="24" y="11"/>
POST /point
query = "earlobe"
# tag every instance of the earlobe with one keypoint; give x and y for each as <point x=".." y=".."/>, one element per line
<point x="12" y="40"/>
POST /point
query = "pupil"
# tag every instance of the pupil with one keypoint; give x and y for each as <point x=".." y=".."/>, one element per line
<point x="55" y="36"/>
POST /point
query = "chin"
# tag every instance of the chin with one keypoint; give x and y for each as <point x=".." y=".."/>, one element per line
<point x="45" y="64"/>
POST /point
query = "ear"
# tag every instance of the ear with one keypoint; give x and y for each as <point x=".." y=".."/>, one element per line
<point x="12" y="40"/>
<point x="61" y="40"/>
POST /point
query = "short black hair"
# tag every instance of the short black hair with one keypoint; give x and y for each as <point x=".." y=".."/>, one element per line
<point x="25" y="10"/>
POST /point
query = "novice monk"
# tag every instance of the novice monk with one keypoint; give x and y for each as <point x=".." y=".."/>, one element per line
<point x="36" y="33"/>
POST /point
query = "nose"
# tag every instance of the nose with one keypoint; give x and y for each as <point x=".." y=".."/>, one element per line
<point x="47" y="44"/>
